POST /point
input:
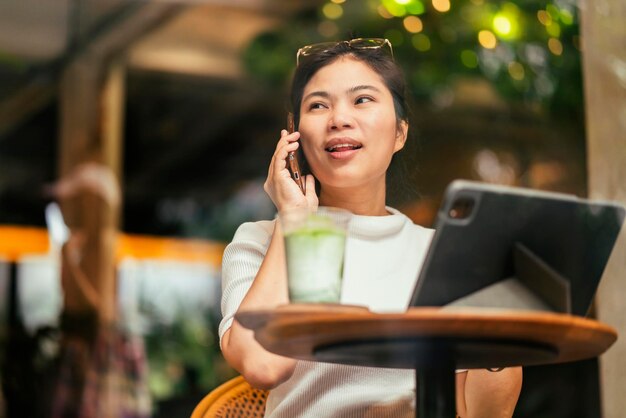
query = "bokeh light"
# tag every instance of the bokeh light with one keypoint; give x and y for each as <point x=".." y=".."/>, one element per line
<point x="394" y="9"/>
<point x="332" y="11"/>
<point x="554" y="29"/>
<point x="441" y="5"/>
<point x="555" y="46"/>
<point x="544" y="17"/>
<point x="469" y="58"/>
<point x="395" y="37"/>
<point x="567" y="18"/>
<point x="502" y="24"/>
<point x="384" y="13"/>
<point x="495" y="169"/>
<point x="338" y="1"/>
<point x="516" y="71"/>
<point x="416" y="7"/>
<point x="421" y="42"/>
<point x="328" y="29"/>
<point x="545" y="174"/>
<point x="553" y="11"/>
<point x="506" y="23"/>
<point x="413" y="24"/>
<point x="487" y="39"/>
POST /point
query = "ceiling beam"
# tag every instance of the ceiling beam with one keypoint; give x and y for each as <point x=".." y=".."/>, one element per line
<point x="38" y="93"/>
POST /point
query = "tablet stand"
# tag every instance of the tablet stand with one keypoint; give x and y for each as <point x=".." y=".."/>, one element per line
<point x="535" y="286"/>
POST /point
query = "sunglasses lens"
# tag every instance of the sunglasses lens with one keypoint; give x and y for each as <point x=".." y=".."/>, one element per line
<point x="367" y="43"/>
<point x="359" y="43"/>
<point x="372" y="43"/>
<point x="317" y="48"/>
<point x="314" y="49"/>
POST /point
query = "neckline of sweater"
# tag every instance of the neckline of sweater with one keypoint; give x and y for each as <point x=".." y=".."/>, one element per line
<point x="378" y="226"/>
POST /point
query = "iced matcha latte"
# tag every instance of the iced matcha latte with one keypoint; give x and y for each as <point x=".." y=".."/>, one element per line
<point x="315" y="244"/>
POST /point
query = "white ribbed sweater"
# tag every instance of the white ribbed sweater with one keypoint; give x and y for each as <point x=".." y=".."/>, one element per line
<point x="383" y="257"/>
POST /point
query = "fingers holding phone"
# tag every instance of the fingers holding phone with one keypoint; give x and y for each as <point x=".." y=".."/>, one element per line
<point x="294" y="170"/>
<point x="279" y="185"/>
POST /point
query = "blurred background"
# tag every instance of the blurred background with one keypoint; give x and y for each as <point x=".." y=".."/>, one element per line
<point x="185" y="101"/>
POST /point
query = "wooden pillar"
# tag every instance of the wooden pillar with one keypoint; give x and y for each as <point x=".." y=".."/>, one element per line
<point x="92" y="95"/>
<point x="91" y="98"/>
<point x="604" y="68"/>
<point x="92" y="92"/>
<point x="112" y="122"/>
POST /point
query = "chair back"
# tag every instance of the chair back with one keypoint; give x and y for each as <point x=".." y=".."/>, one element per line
<point x="234" y="398"/>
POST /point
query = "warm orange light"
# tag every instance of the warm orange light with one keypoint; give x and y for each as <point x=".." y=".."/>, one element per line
<point x="441" y="5"/>
<point x="149" y="247"/>
<point x="19" y="241"/>
<point x="555" y="46"/>
<point x="413" y="24"/>
<point x="544" y="17"/>
<point x="328" y="29"/>
<point x="487" y="39"/>
<point x="384" y="13"/>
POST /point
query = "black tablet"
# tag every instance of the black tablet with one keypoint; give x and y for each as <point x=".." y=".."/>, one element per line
<point x="508" y="247"/>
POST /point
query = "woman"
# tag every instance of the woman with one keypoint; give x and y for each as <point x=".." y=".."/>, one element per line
<point x="102" y="368"/>
<point x="349" y="105"/>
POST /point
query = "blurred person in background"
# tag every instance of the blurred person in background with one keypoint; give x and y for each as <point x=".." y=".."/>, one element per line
<point x="102" y="370"/>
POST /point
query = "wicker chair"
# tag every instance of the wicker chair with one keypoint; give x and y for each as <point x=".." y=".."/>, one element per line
<point x="235" y="398"/>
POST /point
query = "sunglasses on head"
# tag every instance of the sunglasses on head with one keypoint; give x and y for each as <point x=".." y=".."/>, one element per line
<point x="357" y="43"/>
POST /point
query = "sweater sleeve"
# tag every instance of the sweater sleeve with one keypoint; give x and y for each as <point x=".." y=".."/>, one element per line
<point x="240" y="265"/>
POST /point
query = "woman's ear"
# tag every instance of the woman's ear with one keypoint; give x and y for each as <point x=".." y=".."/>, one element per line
<point x="401" y="135"/>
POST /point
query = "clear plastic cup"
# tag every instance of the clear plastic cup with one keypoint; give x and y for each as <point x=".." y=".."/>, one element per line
<point x="315" y="244"/>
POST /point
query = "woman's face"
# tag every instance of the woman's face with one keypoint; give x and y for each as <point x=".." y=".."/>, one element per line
<point x="348" y="125"/>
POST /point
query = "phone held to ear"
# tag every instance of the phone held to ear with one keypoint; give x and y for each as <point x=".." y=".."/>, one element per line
<point x="292" y="160"/>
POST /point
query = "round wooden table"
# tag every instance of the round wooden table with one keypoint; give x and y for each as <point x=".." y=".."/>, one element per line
<point x="433" y="341"/>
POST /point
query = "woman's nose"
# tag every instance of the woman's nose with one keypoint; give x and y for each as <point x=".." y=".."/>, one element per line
<point x="340" y="118"/>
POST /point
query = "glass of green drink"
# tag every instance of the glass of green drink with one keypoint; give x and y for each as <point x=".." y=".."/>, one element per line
<point x="315" y="242"/>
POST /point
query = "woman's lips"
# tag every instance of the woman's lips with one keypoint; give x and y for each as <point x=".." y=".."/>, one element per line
<point x="342" y="154"/>
<point x="342" y="148"/>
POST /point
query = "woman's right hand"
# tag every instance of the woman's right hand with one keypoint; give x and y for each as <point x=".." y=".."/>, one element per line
<point x="279" y="185"/>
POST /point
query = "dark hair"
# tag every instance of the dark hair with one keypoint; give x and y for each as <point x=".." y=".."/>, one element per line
<point x="376" y="59"/>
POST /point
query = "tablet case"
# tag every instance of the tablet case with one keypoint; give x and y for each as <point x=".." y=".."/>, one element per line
<point x="517" y="248"/>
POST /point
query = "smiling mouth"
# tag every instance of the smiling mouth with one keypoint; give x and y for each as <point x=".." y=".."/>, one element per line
<point x="343" y="147"/>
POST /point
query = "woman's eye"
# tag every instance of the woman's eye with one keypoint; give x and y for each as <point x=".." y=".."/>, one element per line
<point x="363" y="99"/>
<point x="316" y="106"/>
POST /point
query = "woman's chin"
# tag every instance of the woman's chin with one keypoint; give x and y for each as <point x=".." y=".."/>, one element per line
<point x="349" y="182"/>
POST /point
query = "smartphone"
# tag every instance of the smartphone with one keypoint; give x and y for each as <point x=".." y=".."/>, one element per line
<point x="292" y="159"/>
